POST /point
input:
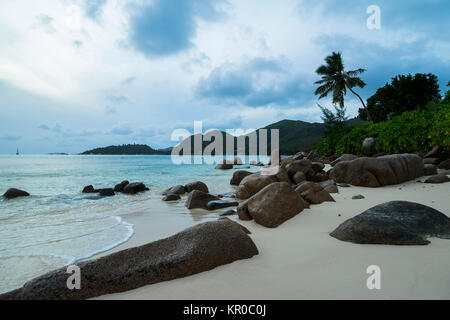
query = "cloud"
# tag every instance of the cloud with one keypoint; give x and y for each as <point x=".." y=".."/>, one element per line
<point x="110" y="110"/>
<point x="117" y="99"/>
<point x="129" y="80"/>
<point x="10" y="138"/>
<point x="44" y="127"/>
<point x="93" y="8"/>
<point x="77" y="43"/>
<point x="167" y="27"/>
<point x="44" y="22"/>
<point x="122" y="130"/>
<point x="257" y="82"/>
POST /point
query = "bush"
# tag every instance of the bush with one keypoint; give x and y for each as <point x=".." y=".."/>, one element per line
<point x="412" y="131"/>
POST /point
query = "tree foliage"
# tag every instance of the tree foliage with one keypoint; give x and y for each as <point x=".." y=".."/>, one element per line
<point x="404" y="93"/>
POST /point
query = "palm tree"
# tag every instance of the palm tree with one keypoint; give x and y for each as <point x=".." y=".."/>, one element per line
<point x="335" y="79"/>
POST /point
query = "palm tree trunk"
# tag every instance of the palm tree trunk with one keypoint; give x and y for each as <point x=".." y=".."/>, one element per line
<point x="362" y="101"/>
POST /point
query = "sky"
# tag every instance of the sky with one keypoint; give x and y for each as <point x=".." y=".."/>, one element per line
<point x="80" y="74"/>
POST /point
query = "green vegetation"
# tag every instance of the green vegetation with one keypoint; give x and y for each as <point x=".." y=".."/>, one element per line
<point x="411" y="131"/>
<point x="406" y="115"/>
<point x="129" y="149"/>
<point x="404" y="93"/>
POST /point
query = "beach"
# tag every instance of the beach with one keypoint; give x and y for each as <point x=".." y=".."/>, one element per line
<point x="300" y="260"/>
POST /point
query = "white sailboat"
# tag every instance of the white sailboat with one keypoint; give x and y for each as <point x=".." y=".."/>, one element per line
<point x="17" y="153"/>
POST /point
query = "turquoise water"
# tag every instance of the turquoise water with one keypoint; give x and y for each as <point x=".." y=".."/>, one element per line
<point x="58" y="225"/>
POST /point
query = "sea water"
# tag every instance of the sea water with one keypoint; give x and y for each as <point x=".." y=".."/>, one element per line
<point x="59" y="225"/>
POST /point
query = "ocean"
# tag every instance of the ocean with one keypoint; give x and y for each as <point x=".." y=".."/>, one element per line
<point x="59" y="225"/>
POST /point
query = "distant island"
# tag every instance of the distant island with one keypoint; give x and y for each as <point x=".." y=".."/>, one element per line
<point x="128" y="149"/>
<point x="295" y="135"/>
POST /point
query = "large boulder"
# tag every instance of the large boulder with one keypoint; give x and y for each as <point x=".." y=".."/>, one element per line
<point x="134" y="188"/>
<point x="199" y="200"/>
<point x="15" y="193"/>
<point x="238" y="176"/>
<point x="194" y="250"/>
<point x="254" y="183"/>
<point x="377" y="172"/>
<point x="395" y="223"/>
<point x="197" y="185"/>
<point x="344" y="157"/>
<point x="274" y="204"/>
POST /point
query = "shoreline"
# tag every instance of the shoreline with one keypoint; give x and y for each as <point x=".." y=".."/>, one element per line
<point x="300" y="260"/>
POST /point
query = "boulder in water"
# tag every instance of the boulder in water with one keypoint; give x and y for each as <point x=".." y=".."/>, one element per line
<point x="15" y="193"/>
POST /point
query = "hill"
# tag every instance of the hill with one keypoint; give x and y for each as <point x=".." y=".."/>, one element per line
<point x="294" y="136"/>
<point x="129" y="149"/>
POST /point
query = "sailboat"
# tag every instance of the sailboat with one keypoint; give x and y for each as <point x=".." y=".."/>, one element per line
<point x="17" y="153"/>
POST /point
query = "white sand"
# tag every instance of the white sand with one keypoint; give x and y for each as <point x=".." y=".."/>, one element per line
<point x="299" y="260"/>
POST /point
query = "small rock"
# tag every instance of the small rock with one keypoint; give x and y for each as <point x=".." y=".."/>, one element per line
<point x="228" y="213"/>
<point x="197" y="185"/>
<point x="224" y="166"/>
<point x="331" y="189"/>
<point x="89" y="189"/>
<point x="358" y="197"/>
<point x="220" y="204"/>
<point x="15" y="193"/>
<point x="172" y="197"/>
<point x="344" y="185"/>
<point x="437" y="179"/>
<point x="121" y="186"/>
<point x="175" y="190"/>
<point x="369" y="146"/>
<point x="134" y="188"/>
<point x="199" y="199"/>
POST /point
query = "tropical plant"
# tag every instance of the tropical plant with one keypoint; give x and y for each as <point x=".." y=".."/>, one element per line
<point x="336" y="80"/>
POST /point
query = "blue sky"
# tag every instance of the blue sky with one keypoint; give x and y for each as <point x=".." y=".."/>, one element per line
<point x="78" y="74"/>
